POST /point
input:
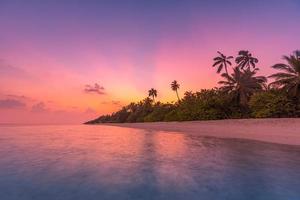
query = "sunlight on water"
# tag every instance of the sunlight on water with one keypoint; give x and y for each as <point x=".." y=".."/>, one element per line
<point x="102" y="162"/>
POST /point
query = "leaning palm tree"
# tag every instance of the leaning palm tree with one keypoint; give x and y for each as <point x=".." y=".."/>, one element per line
<point x="246" y="60"/>
<point x="152" y="93"/>
<point x="289" y="78"/>
<point x="175" y="86"/>
<point x="242" y="84"/>
<point x="222" y="61"/>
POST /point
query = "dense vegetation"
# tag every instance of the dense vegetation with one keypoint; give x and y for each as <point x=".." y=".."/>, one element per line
<point x="241" y="94"/>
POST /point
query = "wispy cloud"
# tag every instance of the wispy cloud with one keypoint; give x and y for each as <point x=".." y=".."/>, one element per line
<point x="11" y="104"/>
<point x="96" y="88"/>
<point x="112" y="102"/>
<point x="39" y="107"/>
<point x="7" y="70"/>
<point x="19" y="97"/>
<point x="118" y="103"/>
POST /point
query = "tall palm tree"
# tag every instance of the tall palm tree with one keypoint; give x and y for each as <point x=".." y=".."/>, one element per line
<point x="246" y="60"/>
<point x="222" y="61"/>
<point x="289" y="78"/>
<point x="242" y="83"/>
<point x="175" y="86"/>
<point x="152" y="93"/>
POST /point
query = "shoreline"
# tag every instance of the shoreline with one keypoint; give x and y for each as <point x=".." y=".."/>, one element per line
<point x="274" y="130"/>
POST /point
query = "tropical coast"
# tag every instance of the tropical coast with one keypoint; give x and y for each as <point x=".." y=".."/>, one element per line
<point x="280" y="131"/>
<point x="251" y="106"/>
<point x="245" y="105"/>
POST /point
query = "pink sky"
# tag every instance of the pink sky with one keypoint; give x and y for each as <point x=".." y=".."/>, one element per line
<point x="50" y="51"/>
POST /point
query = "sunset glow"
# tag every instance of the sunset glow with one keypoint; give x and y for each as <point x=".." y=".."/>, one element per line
<point x="70" y="61"/>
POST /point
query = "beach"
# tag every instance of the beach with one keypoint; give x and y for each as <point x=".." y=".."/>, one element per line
<point x="280" y="130"/>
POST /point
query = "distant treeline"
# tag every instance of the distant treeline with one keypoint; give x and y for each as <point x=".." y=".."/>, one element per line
<point x="242" y="94"/>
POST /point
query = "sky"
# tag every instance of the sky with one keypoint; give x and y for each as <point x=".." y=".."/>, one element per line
<point x="70" y="61"/>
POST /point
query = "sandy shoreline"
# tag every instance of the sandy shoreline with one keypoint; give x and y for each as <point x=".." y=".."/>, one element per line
<point x="282" y="131"/>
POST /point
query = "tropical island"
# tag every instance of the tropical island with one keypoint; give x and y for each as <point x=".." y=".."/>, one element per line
<point x="241" y="94"/>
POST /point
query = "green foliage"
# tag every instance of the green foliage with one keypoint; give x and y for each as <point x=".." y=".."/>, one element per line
<point x="172" y="116"/>
<point x="271" y="104"/>
<point x="159" y="112"/>
<point x="242" y="84"/>
<point x="288" y="78"/>
<point x="137" y="112"/>
<point x="204" y="105"/>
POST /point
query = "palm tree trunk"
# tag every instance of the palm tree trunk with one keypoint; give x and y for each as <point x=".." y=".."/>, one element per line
<point x="177" y="95"/>
<point x="226" y="68"/>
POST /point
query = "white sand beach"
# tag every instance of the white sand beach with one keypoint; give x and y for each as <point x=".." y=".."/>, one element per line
<point x="282" y="131"/>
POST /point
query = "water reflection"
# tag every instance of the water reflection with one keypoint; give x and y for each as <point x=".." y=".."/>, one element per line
<point x="102" y="162"/>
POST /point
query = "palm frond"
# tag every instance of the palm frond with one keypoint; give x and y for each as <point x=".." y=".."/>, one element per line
<point x="284" y="67"/>
<point x="228" y="62"/>
<point x="217" y="58"/>
<point x="216" y="63"/>
<point x="285" y="81"/>
<point x="220" y="68"/>
<point x="222" y="55"/>
<point x="281" y="75"/>
<point x="243" y="52"/>
<point x="297" y="53"/>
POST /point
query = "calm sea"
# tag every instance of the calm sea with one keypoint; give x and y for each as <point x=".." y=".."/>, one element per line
<point x="103" y="162"/>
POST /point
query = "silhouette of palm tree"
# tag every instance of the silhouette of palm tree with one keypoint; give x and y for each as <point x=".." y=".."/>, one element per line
<point x="222" y="61"/>
<point x="242" y="84"/>
<point x="246" y="60"/>
<point x="152" y="93"/>
<point x="175" y="86"/>
<point x="289" y="78"/>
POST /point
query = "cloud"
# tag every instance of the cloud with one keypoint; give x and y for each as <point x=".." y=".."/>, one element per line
<point x="11" y="104"/>
<point x="19" y="97"/>
<point x="112" y="102"/>
<point x="39" y="107"/>
<point x="117" y="103"/>
<point x="7" y="70"/>
<point x="96" y="88"/>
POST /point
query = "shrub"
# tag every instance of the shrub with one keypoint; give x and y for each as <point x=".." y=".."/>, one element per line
<point x="271" y="104"/>
<point x="172" y="116"/>
<point x="159" y="112"/>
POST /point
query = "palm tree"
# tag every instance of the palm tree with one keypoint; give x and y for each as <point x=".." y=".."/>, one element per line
<point x="152" y="93"/>
<point x="242" y="84"/>
<point x="289" y="78"/>
<point x="222" y="61"/>
<point x="175" y="86"/>
<point x="245" y="59"/>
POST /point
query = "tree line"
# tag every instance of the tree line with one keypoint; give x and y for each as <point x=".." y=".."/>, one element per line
<point x="241" y="94"/>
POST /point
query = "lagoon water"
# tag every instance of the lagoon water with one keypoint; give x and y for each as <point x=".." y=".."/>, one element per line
<point x="103" y="162"/>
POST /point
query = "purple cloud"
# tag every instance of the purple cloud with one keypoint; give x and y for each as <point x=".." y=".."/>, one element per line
<point x="19" y="97"/>
<point x="11" y="104"/>
<point x="7" y="70"/>
<point x="96" y="88"/>
<point x="39" y="107"/>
